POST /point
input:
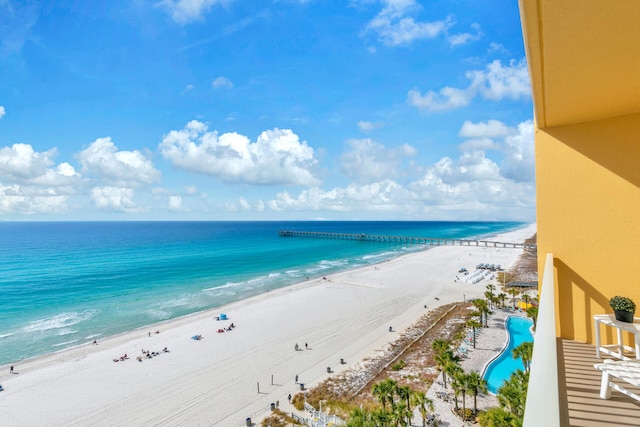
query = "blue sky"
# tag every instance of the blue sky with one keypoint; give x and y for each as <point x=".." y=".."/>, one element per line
<point x="264" y="110"/>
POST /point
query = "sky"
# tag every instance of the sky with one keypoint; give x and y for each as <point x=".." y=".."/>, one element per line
<point x="264" y="110"/>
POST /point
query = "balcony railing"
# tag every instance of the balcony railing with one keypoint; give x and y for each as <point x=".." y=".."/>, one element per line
<point x="543" y="404"/>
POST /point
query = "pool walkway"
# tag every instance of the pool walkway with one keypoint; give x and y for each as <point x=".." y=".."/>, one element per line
<point x="489" y="343"/>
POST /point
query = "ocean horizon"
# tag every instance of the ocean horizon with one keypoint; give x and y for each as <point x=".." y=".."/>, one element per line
<point x="64" y="284"/>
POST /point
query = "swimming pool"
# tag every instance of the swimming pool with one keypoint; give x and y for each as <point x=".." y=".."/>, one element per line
<point x="501" y="368"/>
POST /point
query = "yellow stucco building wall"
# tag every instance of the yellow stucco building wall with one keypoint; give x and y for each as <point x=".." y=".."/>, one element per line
<point x="588" y="214"/>
<point x="584" y="65"/>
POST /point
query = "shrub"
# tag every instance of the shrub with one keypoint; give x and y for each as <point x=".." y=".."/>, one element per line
<point x="622" y="304"/>
<point x="298" y="401"/>
<point x="398" y="366"/>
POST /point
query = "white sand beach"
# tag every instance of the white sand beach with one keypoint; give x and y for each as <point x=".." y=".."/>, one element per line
<point x="215" y="380"/>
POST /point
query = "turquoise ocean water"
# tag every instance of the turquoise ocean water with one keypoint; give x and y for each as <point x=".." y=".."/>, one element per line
<point x="62" y="284"/>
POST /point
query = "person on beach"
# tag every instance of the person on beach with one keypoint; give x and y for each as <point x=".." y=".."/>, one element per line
<point x="296" y="347"/>
<point x="11" y="371"/>
<point x="306" y="346"/>
<point x="95" y="342"/>
<point x="296" y="376"/>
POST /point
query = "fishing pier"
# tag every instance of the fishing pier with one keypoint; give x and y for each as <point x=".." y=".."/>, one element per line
<point x="409" y="240"/>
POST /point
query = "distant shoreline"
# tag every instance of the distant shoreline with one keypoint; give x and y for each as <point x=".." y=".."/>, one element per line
<point x="130" y="278"/>
<point x="215" y="380"/>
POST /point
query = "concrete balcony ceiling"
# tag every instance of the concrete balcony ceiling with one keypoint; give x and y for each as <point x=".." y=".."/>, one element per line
<point x="584" y="59"/>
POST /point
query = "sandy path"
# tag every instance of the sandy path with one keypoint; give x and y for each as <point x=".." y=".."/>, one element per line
<point x="214" y="381"/>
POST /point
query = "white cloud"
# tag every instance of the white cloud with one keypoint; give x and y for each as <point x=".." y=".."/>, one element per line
<point x="175" y="203"/>
<point x="365" y="126"/>
<point x="244" y="205"/>
<point x="394" y="27"/>
<point x="190" y="189"/>
<point x="20" y="163"/>
<point x="117" y="199"/>
<point x="515" y="143"/>
<point x="185" y="11"/>
<point x="30" y="200"/>
<point x="519" y="161"/>
<point x="497" y="47"/>
<point x="382" y="196"/>
<point x="483" y="144"/>
<point x="2" y="111"/>
<point x="464" y="38"/>
<point x="495" y="83"/>
<point x="103" y="160"/>
<point x="473" y="186"/>
<point x="470" y="187"/>
<point x="489" y="129"/>
<point x="222" y="82"/>
<point x="499" y="81"/>
<point x="276" y="157"/>
<point x="447" y="99"/>
<point x="187" y="88"/>
<point x="31" y="183"/>
<point x="368" y="161"/>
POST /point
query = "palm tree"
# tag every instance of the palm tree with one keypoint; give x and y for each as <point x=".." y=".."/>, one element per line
<point x="483" y="308"/>
<point x="502" y="296"/>
<point x="384" y="391"/>
<point x="495" y="300"/>
<point x="525" y="352"/>
<point x="361" y="418"/>
<point x="513" y="292"/>
<point x="509" y="397"/>
<point x="447" y="363"/>
<point x="512" y="395"/>
<point x="378" y="391"/>
<point x="489" y="297"/>
<point x="424" y="404"/>
<point x="404" y="393"/>
<point x="489" y="293"/>
<point x="380" y="418"/>
<point x="456" y="374"/>
<point x="497" y="417"/>
<point x="438" y="345"/>
<point x="532" y="313"/>
<point x="474" y="324"/>
<point x="476" y="385"/>
<point x="397" y="414"/>
<point x="462" y="380"/>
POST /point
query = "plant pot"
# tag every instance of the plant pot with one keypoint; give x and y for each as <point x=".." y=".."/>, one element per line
<point x="624" y="316"/>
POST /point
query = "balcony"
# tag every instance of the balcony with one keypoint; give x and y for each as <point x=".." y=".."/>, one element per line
<point x="564" y="389"/>
<point x="579" y="391"/>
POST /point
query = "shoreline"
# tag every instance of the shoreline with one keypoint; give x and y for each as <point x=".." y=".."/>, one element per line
<point x="68" y="323"/>
<point x="215" y="380"/>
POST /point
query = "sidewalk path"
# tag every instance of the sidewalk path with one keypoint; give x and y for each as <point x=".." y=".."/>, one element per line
<point x="489" y="343"/>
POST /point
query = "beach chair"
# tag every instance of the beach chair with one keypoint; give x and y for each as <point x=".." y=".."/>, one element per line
<point x="625" y="370"/>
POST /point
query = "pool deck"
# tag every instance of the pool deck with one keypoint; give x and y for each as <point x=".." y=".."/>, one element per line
<point x="489" y="343"/>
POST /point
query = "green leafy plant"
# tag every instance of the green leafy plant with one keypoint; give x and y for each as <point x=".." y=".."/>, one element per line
<point x="622" y="304"/>
<point x="398" y="366"/>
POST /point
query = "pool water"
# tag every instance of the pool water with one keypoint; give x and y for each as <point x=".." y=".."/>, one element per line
<point x="504" y="365"/>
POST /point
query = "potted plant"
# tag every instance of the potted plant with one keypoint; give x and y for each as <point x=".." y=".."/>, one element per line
<point x="624" y="308"/>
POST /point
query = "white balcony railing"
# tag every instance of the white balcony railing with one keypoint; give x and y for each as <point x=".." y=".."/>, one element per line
<point x="543" y="406"/>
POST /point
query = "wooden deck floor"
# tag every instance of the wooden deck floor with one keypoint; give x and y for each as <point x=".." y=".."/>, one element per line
<point x="580" y="403"/>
